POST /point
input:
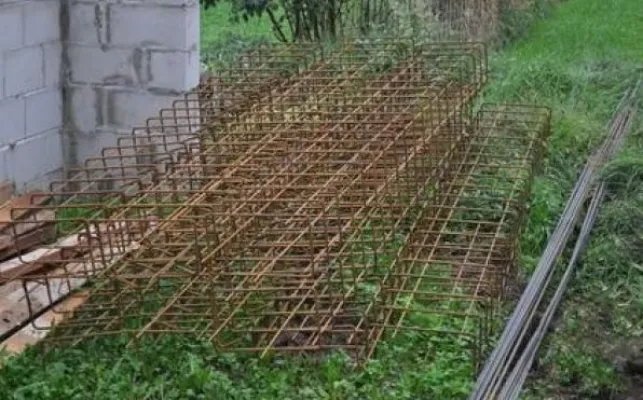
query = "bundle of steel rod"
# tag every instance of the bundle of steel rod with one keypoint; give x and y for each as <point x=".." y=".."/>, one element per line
<point x="506" y="369"/>
<point x="325" y="212"/>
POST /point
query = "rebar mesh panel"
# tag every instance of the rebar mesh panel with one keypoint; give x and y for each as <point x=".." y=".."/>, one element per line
<point x="279" y="207"/>
<point x="167" y="162"/>
<point x="349" y="197"/>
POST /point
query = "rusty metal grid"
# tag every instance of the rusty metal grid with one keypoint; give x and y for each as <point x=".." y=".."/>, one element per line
<point x="330" y="212"/>
<point x="167" y="153"/>
<point x="460" y="249"/>
<point x="321" y="163"/>
<point x="440" y="252"/>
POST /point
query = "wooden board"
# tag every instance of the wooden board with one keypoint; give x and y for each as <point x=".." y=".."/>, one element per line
<point x="33" y="333"/>
<point x="29" y="223"/>
<point x="7" y="213"/>
<point x="6" y="192"/>
<point x="17" y="305"/>
<point x="27" y="241"/>
<point x="68" y="248"/>
<point x="14" y="307"/>
<point x="34" y="260"/>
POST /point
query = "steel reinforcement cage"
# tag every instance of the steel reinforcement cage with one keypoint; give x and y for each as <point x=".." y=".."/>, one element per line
<point x="309" y="198"/>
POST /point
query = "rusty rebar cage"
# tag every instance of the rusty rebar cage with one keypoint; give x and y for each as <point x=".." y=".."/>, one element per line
<point x="351" y="195"/>
<point x="166" y="155"/>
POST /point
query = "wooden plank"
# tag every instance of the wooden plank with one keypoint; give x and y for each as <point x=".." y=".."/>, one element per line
<point x="8" y="215"/>
<point x="26" y="225"/>
<point x="10" y="287"/>
<point x="6" y="192"/>
<point x="14" y="307"/>
<point x="27" y="241"/>
<point x="15" y="301"/>
<point x="35" y="259"/>
<point x="12" y="314"/>
<point x="69" y="248"/>
<point x="36" y="331"/>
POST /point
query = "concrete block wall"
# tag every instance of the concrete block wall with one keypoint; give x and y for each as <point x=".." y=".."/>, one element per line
<point x="30" y="91"/>
<point x="77" y="73"/>
<point x="125" y="61"/>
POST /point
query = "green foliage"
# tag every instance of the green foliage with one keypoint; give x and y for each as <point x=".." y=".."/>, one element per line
<point x="411" y="367"/>
<point x="222" y="39"/>
<point x="317" y="20"/>
<point x="579" y="62"/>
<point x="71" y="216"/>
<point x="516" y="21"/>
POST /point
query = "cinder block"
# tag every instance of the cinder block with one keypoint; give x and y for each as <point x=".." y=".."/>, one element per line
<point x="132" y="108"/>
<point x="90" y="144"/>
<point x="12" y="120"/>
<point x="12" y="29"/>
<point x="85" y="108"/>
<point x="34" y="157"/>
<point x="88" y="23"/>
<point x="23" y="70"/>
<point x="93" y="65"/>
<point x="154" y="26"/>
<point x="44" y="111"/>
<point x="193" y="72"/>
<point x="42" y="22"/>
<point x="193" y="23"/>
<point x="4" y="172"/>
<point x="53" y="62"/>
<point x="174" y="70"/>
<point x="41" y="183"/>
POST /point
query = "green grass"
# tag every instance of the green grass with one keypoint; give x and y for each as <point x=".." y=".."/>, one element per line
<point x="179" y="368"/>
<point x="578" y="62"/>
<point x="222" y="39"/>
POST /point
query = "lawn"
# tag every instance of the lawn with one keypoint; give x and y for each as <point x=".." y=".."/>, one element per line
<point x="222" y="38"/>
<point x="578" y="61"/>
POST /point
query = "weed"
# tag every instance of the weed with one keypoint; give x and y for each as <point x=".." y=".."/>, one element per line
<point x="174" y="367"/>
<point x="223" y="39"/>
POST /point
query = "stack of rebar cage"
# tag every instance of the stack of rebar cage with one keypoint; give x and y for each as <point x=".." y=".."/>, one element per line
<point x="307" y="199"/>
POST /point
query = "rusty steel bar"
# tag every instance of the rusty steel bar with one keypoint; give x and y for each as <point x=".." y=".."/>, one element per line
<point x="320" y="201"/>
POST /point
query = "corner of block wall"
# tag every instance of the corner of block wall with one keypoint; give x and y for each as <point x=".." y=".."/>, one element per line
<point x="127" y="61"/>
<point x="91" y="69"/>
